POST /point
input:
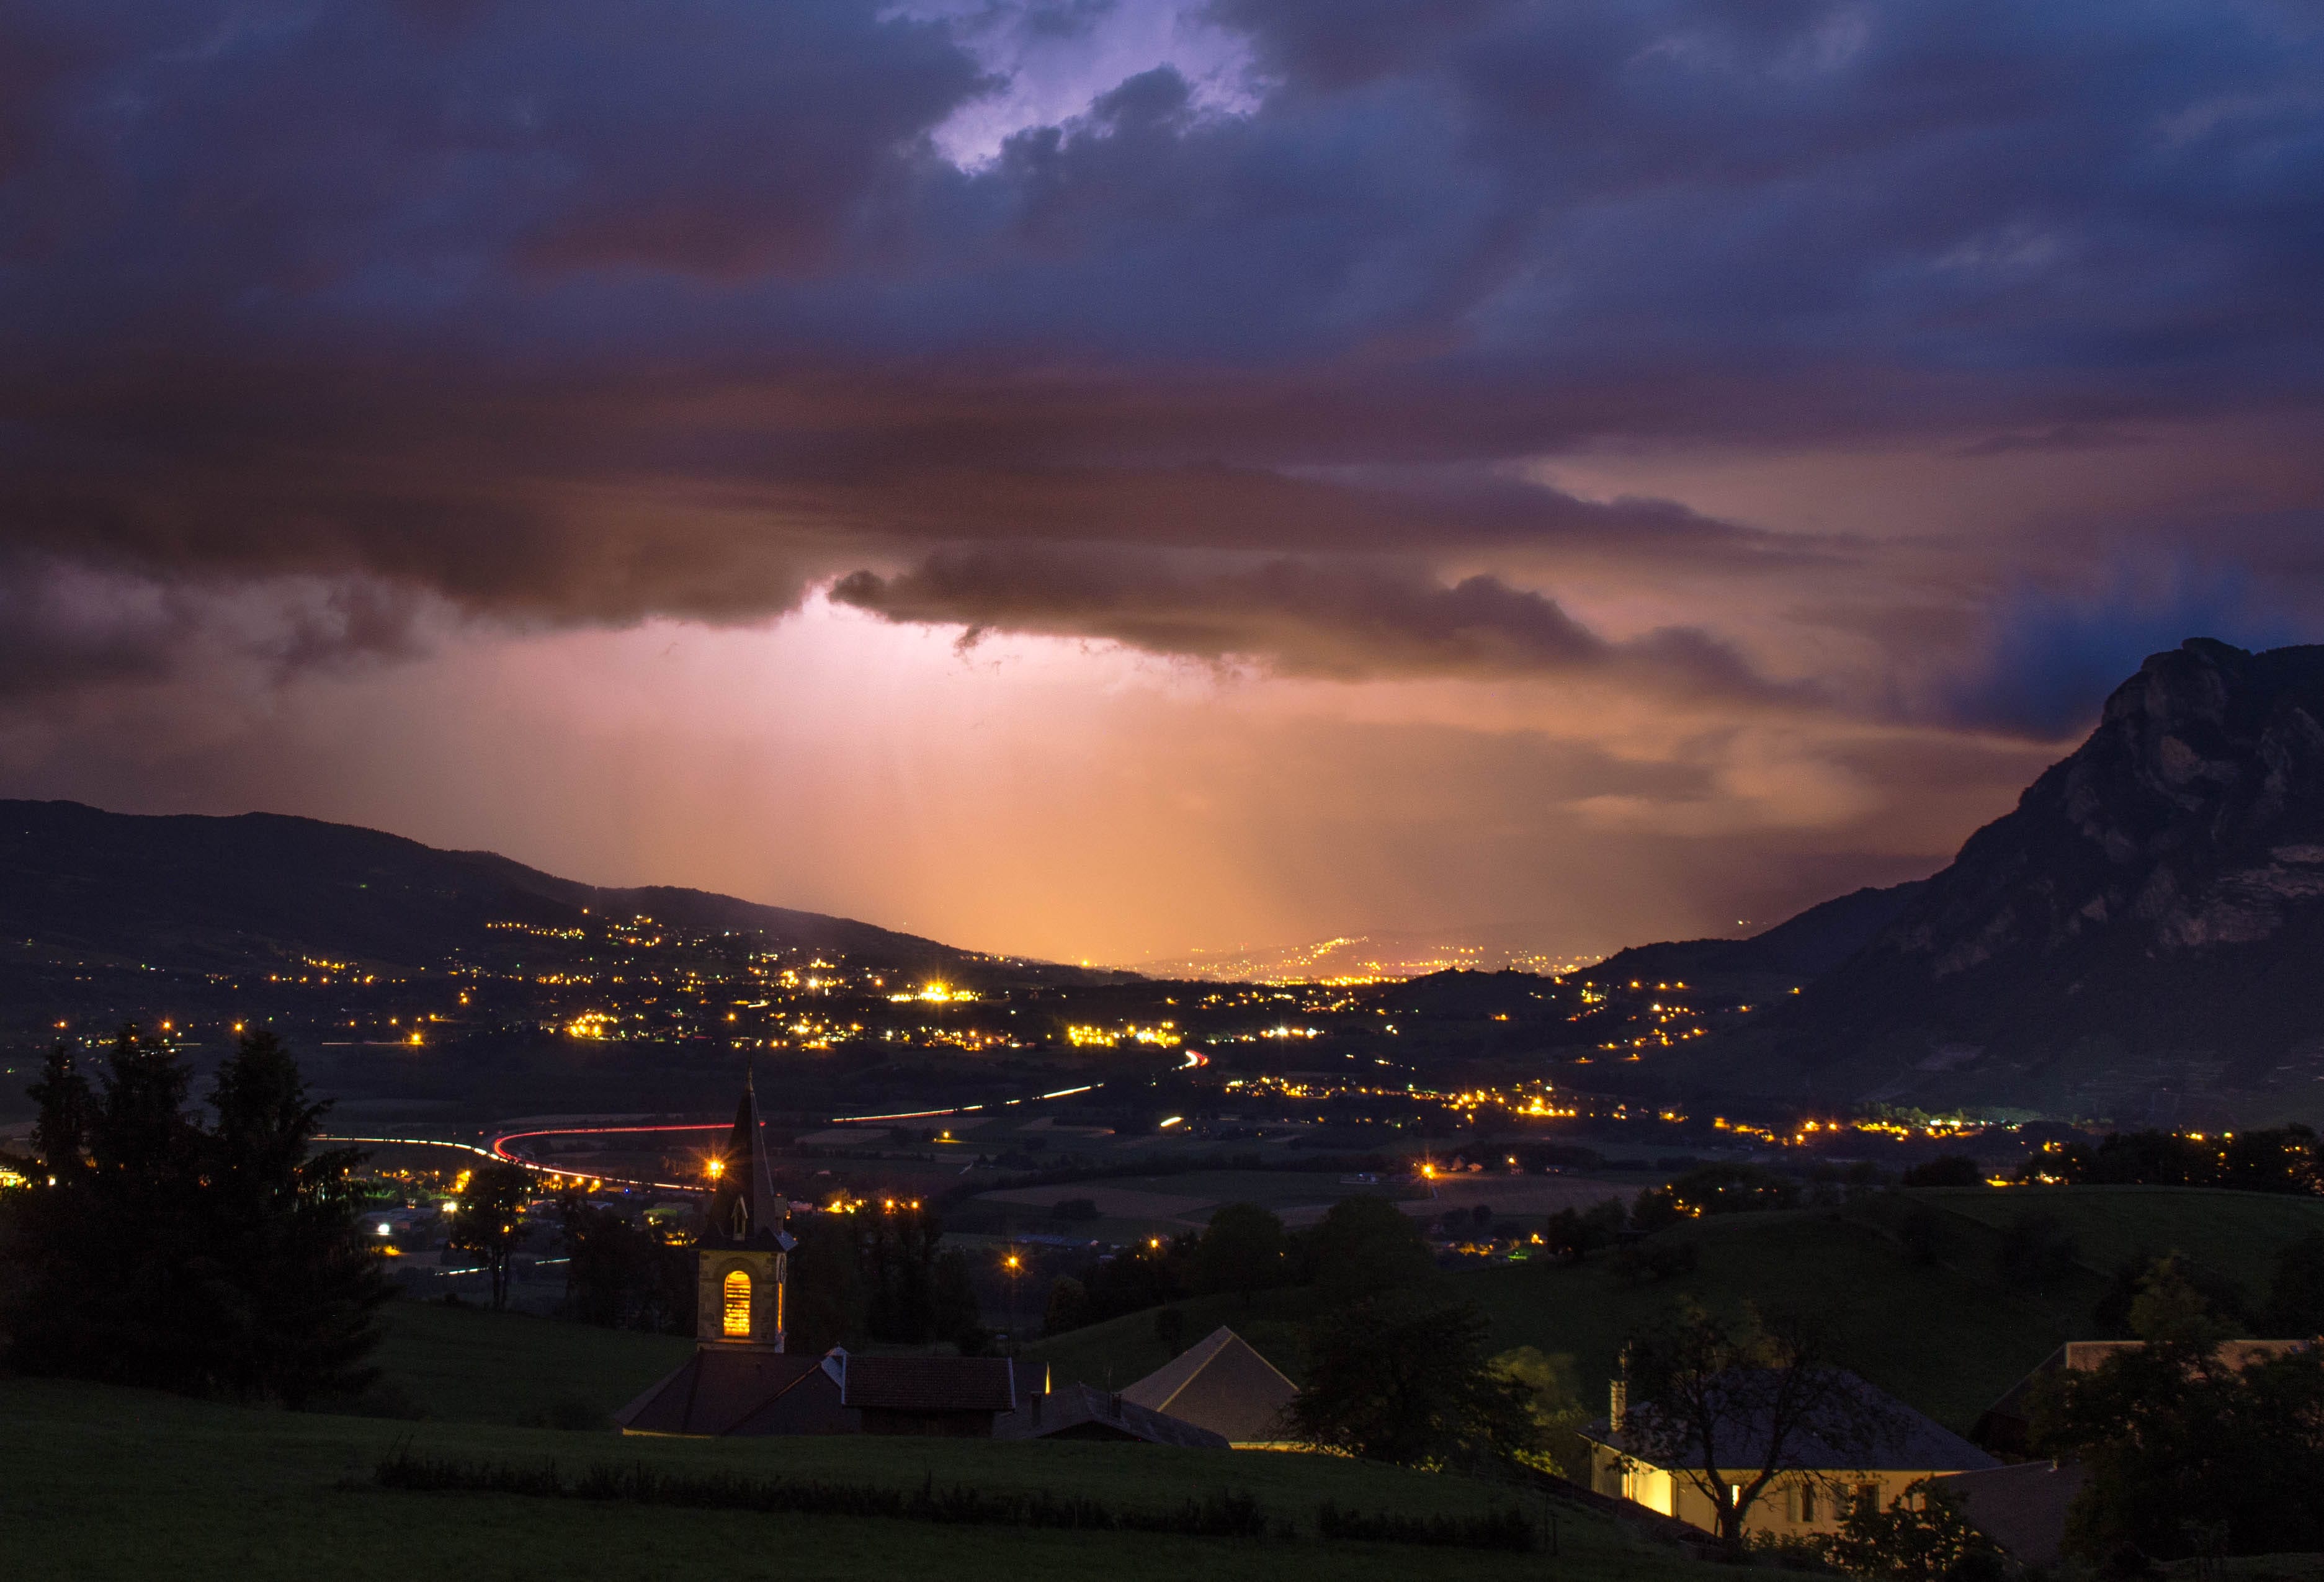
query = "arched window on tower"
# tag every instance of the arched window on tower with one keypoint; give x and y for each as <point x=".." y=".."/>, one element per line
<point x="737" y="1292"/>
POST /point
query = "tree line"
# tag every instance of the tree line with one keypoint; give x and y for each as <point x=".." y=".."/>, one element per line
<point x="152" y="1249"/>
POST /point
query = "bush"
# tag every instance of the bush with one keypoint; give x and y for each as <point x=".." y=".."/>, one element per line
<point x="1242" y="1249"/>
<point x="1502" y="1529"/>
<point x="1654" y="1210"/>
<point x="1365" y="1246"/>
<point x="1921" y="1537"/>
<point x="1949" y="1169"/>
<point x="2035" y="1250"/>
<point x="1222" y="1514"/>
<point x="1733" y="1189"/>
<point x="1076" y="1208"/>
<point x="1393" y="1381"/>
<point x="1650" y="1261"/>
<point x="574" y="1415"/>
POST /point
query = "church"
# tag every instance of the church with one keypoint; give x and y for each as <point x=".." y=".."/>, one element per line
<point x="741" y="1381"/>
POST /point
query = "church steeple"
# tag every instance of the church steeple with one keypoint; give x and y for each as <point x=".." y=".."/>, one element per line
<point x="741" y="1264"/>
<point x="744" y="1208"/>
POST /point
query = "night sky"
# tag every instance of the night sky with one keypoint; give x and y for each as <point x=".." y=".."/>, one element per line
<point x="1096" y="478"/>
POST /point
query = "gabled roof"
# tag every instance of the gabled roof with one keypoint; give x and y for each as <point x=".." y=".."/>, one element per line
<point x="714" y="1391"/>
<point x="1079" y="1409"/>
<point x="1221" y="1385"/>
<point x="2022" y="1508"/>
<point x="927" y="1383"/>
<point x="1903" y="1441"/>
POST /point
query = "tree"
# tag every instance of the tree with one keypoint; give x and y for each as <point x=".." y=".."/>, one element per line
<point x="2179" y="1442"/>
<point x="2191" y="1284"/>
<point x="1365" y="1246"/>
<point x="1396" y="1380"/>
<point x="1947" y="1170"/>
<point x="826" y="1298"/>
<point x="60" y="1134"/>
<point x="305" y="1287"/>
<point x="1570" y="1237"/>
<point x="1733" y="1407"/>
<point x="1243" y="1250"/>
<point x="957" y="1318"/>
<point x="2295" y="1298"/>
<point x="1654" y="1210"/>
<point x="620" y="1275"/>
<point x="167" y="1256"/>
<point x="1068" y="1306"/>
<point x="489" y="1220"/>
<point x="1554" y="1406"/>
<point x="898" y="1274"/>
<point x="1732" y="1189"/>
<point x="1921" y="1537"/>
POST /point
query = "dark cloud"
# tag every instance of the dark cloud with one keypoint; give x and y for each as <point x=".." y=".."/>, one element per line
<point x="1340" y="620"/>
<point x="575" y="313"/>
<point x="2063" y="436"/>
<point x="63" y="626"/>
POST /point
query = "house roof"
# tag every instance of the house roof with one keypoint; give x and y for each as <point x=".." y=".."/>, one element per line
<point x="1221" y="1385"/>
<point x="1902" y="1439"/>
<point x="2022" y="1508"/>
<point x="1078" y="1406"/>
<point x="927" y="1383"/>
<point x="714" y="1391"/>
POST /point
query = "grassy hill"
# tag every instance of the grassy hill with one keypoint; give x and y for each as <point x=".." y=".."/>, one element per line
<point x="2238" y="1234"/>
<point x="1948" y="1336"/>
<point x="107" y="1483"/>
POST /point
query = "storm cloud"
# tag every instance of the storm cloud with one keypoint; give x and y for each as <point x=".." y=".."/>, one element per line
<point x="1914" y="366"/>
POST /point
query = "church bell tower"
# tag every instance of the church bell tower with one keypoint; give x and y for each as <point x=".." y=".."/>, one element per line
<point x="740" y="1266"/>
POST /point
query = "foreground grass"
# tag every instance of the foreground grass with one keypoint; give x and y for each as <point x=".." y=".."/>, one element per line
<point x="104" y="1483"/>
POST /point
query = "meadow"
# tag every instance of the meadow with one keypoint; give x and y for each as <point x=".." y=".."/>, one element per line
<point x="102" y="1482"/>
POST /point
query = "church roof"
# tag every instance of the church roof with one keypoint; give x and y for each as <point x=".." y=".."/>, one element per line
<point x="715" y="1390"/>
<point x="1221" y="1385"/>
<point x="928" y="1384"/>
<point x="1079" y="1410"/>
<point x="745" y="1210"/>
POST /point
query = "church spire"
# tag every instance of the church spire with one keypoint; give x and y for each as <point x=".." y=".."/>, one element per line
<point x="745" y="1210"/>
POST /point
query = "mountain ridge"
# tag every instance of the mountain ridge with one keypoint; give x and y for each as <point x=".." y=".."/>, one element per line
<point x="2142" y="935"/>
<point x="224" y="888"/>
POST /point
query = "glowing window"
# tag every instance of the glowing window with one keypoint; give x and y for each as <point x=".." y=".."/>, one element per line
<point x="738" y="1303"/>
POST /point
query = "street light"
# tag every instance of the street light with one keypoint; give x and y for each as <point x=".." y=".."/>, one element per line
<point x="1012" y="1262"/>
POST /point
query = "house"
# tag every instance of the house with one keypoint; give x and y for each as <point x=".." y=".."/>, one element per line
<point x="742" y="1380"/>
<point x="721" y="1392"/>
<point x="1222" y="1385"/>
<point x="1077" y="1412"/>
<point x="2022" y="1508"/>
<point x="1819" y="1477"/>
<point x="2006" y="1426"/>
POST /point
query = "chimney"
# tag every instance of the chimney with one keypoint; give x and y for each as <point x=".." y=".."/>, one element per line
<point x="1618" y="1406"/>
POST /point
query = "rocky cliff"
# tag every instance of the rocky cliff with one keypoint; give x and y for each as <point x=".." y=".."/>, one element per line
<point x="2141" y="937"/>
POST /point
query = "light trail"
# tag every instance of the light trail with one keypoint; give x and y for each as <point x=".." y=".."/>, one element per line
<point x="499" y="1150"/>
<point x="494" y="1153"/>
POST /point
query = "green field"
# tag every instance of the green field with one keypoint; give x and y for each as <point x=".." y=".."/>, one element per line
<point x="1948" y="1336"/>
<point x="100" y="1483"/>
<point x="468" y="1364"/>
<point x="2238" y="1234"/>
